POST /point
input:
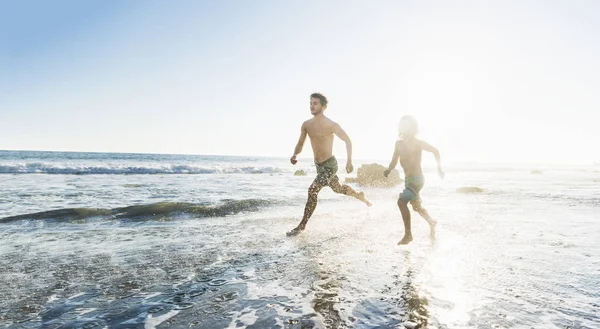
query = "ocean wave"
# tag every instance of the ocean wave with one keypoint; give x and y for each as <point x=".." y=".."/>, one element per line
<point x="116" y="169"/>
<point x="147" y="212"/>
<point x="552" y="197"/>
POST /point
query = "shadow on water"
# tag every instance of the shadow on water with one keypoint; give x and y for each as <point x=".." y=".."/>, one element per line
<point x="325" y="304"/>
<point x="416" y="305"/>
<point x="401" y="301"/>
<point x="325" y="286"/>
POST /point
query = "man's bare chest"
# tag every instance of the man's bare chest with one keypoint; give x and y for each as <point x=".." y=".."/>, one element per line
<point x="320" y="132"/>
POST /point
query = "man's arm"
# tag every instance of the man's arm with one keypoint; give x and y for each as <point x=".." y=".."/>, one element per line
<point x="300" y="143"/>
<point x="427" y="147"/>
<point x="394" y="161"/>
<point x="339" y="132"/>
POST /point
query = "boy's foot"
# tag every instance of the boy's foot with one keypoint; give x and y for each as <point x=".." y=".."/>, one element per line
<point x="405" y="240"/>
<point x="432" y="224"/>
<point x="295" y="231"/>
<point x="361" y="197"/>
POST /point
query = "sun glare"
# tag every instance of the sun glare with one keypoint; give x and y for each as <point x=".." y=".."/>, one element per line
<point x="448" y="97"/>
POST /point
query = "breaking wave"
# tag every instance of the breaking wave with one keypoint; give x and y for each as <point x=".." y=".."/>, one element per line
<point x="115" y="169"/>
<point x="147" y="212"/>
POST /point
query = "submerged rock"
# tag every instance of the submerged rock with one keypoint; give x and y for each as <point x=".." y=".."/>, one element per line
<point x="300" y="173"/>
<point x="469" y="189"/>
<point x="371" y="175"/>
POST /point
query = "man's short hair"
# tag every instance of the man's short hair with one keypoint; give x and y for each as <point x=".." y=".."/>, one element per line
<point x="321" y="98"/>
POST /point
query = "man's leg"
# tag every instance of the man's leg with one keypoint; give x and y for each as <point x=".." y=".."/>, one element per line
<point x="403" y="205"/>
<point x="347" y="190"/>
<point x="311" y="204"/>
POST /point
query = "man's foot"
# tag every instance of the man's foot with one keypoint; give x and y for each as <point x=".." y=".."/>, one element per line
<point x="361" y="197"/>
<point x="405" y="240"/>
<point x="295" y="231"/>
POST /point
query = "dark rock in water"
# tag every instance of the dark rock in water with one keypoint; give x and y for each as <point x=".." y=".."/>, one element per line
<point x="536" y="172"/>
<point x="132" y="185"/>
<point x="300" y="173"/>
<point x="469" y="189"/>
<point x="371" y="175"/>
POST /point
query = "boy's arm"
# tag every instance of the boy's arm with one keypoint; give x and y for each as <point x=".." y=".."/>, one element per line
<point x="339" y="132"/>
<point x="427" y="147"/>
<point x="300" y="144"/>
<point x="394" y="161"/>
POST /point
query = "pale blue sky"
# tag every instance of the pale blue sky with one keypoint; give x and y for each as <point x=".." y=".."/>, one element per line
<point x="488" y="81"/>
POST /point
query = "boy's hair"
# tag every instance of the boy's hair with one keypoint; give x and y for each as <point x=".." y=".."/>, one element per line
<point x="408" y="126"/>
<point x="321" y="98"/>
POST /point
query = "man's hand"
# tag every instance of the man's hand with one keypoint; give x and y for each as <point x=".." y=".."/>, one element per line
<point x="386" y="173"/>
<point x="293" y="160"/>
<point x="349" y="167"/>
<point x="441" y="173"/>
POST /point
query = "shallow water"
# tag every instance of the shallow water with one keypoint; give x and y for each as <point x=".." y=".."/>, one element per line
<point x="521" y="254"/>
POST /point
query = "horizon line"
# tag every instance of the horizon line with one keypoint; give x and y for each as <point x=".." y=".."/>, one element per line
<point x="467" y="161"/>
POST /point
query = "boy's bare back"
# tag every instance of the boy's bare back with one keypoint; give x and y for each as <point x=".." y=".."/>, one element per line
<point x="410" y="154"/>
<point x="409" y="151"/>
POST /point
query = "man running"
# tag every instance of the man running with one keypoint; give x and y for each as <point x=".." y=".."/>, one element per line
<point x="321" y="130"/>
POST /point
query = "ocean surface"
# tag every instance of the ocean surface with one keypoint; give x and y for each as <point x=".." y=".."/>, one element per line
<point x="99" y="240"/>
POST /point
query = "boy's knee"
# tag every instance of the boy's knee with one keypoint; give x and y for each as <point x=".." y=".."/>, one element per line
<point x="417" y="206"/>
<point x="402" y="202"/>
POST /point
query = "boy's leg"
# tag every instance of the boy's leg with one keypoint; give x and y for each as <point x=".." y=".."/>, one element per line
<point x="311" y="204"/>
<point x="347" y="190"/>
<point x="403" y="205"/>
<point x="418" y="207"/>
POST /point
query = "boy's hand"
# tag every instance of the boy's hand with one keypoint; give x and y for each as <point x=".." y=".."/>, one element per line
<point x="386" y="173"/>
<point x="349" y="167"/>
<point x="293" y="160"/>
<point x="441" y="173"/>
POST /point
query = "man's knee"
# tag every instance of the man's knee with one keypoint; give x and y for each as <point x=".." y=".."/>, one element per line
<point x="313" y="191"/>
<point x="402" y="203"/>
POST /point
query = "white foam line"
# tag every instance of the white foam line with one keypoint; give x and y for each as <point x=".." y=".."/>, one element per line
<point x="153" y="294"/>
<point x="67" y="169"/>
<point x="85" y="311"/>
<point x="77" y="295"/>
<point x="151" y="322"/>
<point x="247" y="319"/>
